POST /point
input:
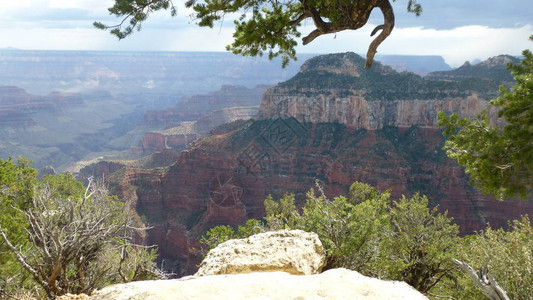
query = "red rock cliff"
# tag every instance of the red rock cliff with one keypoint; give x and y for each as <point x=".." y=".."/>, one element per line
<point x="225" y="179"/>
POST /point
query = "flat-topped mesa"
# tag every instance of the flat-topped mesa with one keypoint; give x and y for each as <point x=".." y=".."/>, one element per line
<point x="493" y="68"/>
<point x="336" y="88"/>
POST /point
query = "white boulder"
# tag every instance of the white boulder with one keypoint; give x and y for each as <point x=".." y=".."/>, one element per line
<point x="293" y="251"/>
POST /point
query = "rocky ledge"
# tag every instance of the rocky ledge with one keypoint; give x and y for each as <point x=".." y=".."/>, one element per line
<point x="332" y="284"/>
<point x="275" y="283"/>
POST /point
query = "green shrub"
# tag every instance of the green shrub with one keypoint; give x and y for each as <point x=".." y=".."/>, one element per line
<point x="505" y="254"/>
<point x="367" y="232"/>
<point x="62" y="237"/>
<point x="422" y="245"/>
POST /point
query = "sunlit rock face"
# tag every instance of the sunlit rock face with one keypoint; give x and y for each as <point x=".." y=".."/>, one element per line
<point x="292" y="251"/>
<point x="334" y="284"/>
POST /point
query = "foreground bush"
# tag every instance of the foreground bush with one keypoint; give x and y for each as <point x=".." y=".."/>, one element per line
<point x="76" y="239"/>
<point x="422" y="245"/>
<point x="505" y="254"/>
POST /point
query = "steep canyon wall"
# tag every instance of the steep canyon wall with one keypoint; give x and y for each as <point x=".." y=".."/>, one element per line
<point x="333" y="122"/>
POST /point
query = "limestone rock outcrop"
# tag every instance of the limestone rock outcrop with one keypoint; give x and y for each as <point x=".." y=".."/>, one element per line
<point x="73" y="297"/>
<point x="334" y="284"/>
<point x="283" y="264"/>
<point x="292" y="251"/>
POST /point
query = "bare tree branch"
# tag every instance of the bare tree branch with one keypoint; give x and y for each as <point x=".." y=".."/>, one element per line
<point x="484" y="281"/>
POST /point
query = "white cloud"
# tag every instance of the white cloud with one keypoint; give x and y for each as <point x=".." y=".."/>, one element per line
<point x="52" y="39"/>
<point x="16" y="4"/>
<point x="455" y="45"/>
<point x="194" y="38"/>
<point x="460" y="44"/>
<point x="66" y="24"/>
<point x="80" y="4"/>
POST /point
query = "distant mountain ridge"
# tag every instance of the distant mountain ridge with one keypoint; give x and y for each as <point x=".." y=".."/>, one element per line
<point x="181" y="73"/>
<point x="18" y="107"/>
<point x="194" y="107"/>
<point x="418" y="64"/>
<point x="494" y="68"/>
<point x="41" y="72"/>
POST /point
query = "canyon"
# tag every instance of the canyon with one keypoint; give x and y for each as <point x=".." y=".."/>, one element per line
<point x="66" y="109"/>
<point x="333" y="122"/>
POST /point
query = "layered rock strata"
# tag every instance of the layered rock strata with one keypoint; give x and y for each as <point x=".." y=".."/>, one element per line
<point x="357" y="112"/>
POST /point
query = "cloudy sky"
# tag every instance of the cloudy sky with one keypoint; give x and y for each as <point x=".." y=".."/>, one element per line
<point x="458" y="30"/>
